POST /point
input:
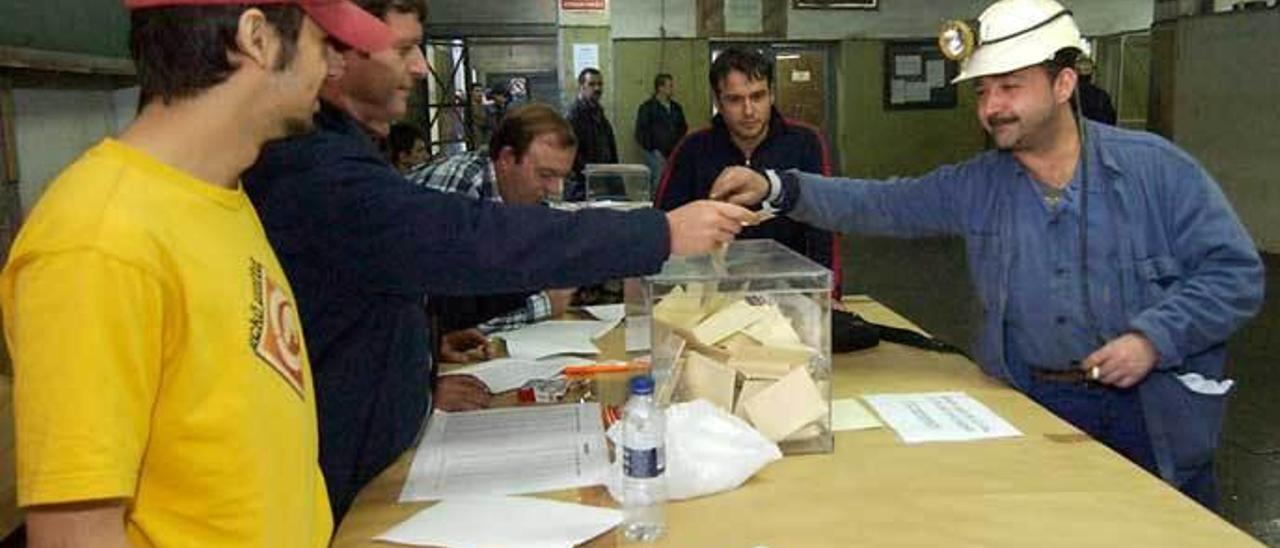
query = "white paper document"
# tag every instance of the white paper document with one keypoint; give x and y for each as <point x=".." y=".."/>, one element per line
<point x="483" y="522"/>
<point x="610" y="315"/>
<point x="607" y="312"/>
<point x="551" y="338"/>
<point x="508" y="451"/>
<point x="585" y="56"/>
<point x="907" y="65"/>
<point x="936" y="73"/>
<point x="939" y="416"/>
<point x="505" y="374"/>
<point x="850" y="414"/>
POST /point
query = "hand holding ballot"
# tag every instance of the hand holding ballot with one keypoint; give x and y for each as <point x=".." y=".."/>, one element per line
<point x="740" y="185"/>
<point x="701" y="226"/>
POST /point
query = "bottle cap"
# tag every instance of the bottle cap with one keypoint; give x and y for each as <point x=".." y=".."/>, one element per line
<point x="642" y="385"/>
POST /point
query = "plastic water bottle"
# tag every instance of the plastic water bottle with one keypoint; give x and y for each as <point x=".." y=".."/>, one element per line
<point x="644" y="463"/>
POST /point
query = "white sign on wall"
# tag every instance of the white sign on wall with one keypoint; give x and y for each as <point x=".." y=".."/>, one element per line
<point x="585" y="55"/>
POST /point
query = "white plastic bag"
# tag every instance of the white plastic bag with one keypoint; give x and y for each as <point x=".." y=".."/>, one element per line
<point x="708" y="451"/>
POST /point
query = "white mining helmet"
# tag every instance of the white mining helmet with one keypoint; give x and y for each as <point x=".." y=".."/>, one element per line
<point x="1010" y="35"/>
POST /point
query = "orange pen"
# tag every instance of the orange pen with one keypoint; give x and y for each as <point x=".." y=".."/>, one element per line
<point x="591" y="369"/>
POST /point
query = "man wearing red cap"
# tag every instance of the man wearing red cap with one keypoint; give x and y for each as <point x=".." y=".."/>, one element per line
<point x="163" y="394"/>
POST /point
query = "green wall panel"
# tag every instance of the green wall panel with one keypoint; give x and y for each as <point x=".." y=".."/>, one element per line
<point x="93" y="27"/>
<point x="636" y="62"/>
<point x="878" y="143"/>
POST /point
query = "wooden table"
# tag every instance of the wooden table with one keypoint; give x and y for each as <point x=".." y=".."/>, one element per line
<point x="1052" y="487"/>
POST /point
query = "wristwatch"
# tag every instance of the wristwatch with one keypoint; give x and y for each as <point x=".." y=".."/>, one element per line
<point x="773" y="202"/>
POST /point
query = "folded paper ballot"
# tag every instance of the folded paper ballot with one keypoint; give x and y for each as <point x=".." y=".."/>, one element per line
<point x="742" y="354"/>
<point x="787" y="406"/>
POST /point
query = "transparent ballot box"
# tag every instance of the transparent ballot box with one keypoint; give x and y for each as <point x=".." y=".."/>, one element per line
<point x="617" y="182"/>
<point x="748" y="329"/>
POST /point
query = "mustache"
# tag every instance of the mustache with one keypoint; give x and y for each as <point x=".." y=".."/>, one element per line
<point x="997" y="120"/>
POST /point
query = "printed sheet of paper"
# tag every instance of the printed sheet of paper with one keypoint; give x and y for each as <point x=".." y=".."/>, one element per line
<point x="508" y="451"/>
<point x="505" y="374"/>
<point x="550" y="338"/>
<point x="939" y="416"/>
<point x="936" y="73"/>
<point x="503" y="521"/>
<point x="586" y="55"/>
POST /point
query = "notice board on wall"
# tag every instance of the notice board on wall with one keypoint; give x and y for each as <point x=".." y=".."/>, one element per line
<point x="917" y="76"/>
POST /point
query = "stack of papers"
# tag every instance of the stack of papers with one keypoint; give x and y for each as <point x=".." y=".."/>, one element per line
<point x="510" y="451"/>
<point x="505" y="374"/>
<point x="940" y="416"/>
<point x="503" y="521"/>
<point x="552" y="338"/>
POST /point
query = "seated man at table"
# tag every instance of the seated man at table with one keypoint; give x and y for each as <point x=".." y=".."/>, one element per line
<point x="1110" y="266"/>
<point x="749" y="131"/>
<point x="529" y="155"/>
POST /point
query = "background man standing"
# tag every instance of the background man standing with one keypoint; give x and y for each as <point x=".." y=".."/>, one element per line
<point x="660" y="124"/>
<point x="596" y="144"/>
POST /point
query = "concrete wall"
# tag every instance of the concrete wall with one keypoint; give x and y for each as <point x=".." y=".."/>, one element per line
<point x="649" y="18"/>
<point x="879" y="143"/>
<point x="517" y="57"/>
<point x="1225" y="110"/>
<point x="921" y="18"/>
<point x="54" y="126"/>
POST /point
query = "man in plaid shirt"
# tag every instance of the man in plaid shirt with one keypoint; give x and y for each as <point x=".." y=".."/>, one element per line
<point x="529" y="155"/>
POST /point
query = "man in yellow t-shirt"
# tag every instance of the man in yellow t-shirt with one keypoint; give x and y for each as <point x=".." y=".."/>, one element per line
<point x="163" y="394"/>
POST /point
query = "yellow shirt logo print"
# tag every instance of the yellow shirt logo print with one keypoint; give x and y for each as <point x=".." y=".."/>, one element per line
<point x="274" y="332"/>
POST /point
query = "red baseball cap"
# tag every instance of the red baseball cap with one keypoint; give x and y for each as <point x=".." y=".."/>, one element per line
<point x="343" y="20"/>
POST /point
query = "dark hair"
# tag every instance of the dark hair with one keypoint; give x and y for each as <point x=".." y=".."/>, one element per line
<point x="582" y="76"/>
<point x="1065" y="58"/>
<point x="499" y="89"/>
<point x="749" y="62"/>
<point x="180" y="51"/>
<point x="401" y="138"/>
<point x="660" y="79"/>
<point x="521" y="126"/>
<point x="380" y="8"/>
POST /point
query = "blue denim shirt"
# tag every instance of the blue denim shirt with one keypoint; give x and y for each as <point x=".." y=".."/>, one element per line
<point x="1168" y="258"/>
<point x="1048" y="325"/>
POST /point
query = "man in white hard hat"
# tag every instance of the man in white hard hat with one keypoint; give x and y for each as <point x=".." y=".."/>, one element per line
<point x="1168" y="270"/>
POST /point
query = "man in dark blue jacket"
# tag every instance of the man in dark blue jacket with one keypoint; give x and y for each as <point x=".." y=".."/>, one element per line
<point x="748" y="131"/>
<point x="362" y="246"/>
<point x="660" y="125"/>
